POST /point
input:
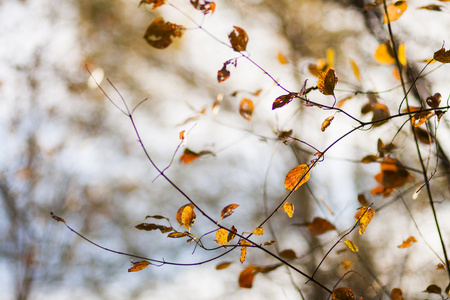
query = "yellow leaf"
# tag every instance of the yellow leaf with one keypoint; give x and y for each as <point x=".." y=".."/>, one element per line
<point x="243" y="254"/>
<point x="282" y="59"/>
<point x="383" y="55"/>
<point x="327" y="82"/>
<point x="246" y="109"/>
<point x="343" y="293"/>
<point x="364" y="215"/>
<point x="221" y="236"/>
<point x="186" y="216"/>
<point x="296" y="177"/>
<point x="228" y="210"/>
<point x="409" y="241"/>
<point x="355" y="69"/>
<point x="402" y="54"/>
<point x="258" y="231"/>
<point x="395" y="10"/>
<point x="351" y="246"/>
<point x="330" y="57"/>
<point x="326" y="123"/>
<point x="289" y="209"/>
<point x="139" y="265"/>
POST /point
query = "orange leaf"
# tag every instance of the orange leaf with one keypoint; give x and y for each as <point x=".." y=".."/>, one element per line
<point x="247" y="275"/>
<point x="409" y="241"/>
<point x="228" y="211"/>
<point x="186" y="216"/>
<point x="442" y="56"/>
<point x="155" y="3"/>
<point x="221" y="236"/>
<point x="238" y="39"/>
<point x="282" y="100"/>
<point x="288" y="254"/>
<point x="327" y="82"/>
<point x="351" y="246"/>
<point x="139" y="265"/>
<point x="296" y="177"/>
<point x="396" y="294"/>
<point x="246" y="109"/>
<point x="282" y="59"/>
<point x="326" y="123"/>
<point x="189" y="156"/>
<point x="206" y="7"/>
<point x="223" y="265"/>
<point x="384" y="54"/>
<point x="395" y="10"/>
<point x="223" y="74"/>
<point x="364" y="215"/>
<point x="258" y="231"/>
<point x="159" y="33"/>
<point x="320" y="226"/>
<point x="289" y="209"/>
<point x="343" y="293"/>
<point x="346" y="264"/>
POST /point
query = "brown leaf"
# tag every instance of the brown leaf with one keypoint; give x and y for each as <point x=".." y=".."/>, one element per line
<point x="155" y="3"/>
<point x="423" y="135"/>
<point x="396" y="294"/>
<point x="395" y="11"/>
<point x="409" y="241"/>
<point x="363" y="200"/>
<point x="238" y="39"/>
<point x="55" y="217"/>
<point x="231" y="234"/>
<point x="223" y="265"/>
<point x="247" y="276"/>
<point x="327" y="82"/>
<point x="289" y="209"/>
<point x="288" y="254"/>
<point x="434" y="101"/>
<point x="151" y="226"/>
<point x="364" y="215"/>
<point x="343" y="293"/>
<point x="228" y="211"/>
<point x="246" y="108"/>
<point x="223" y="74"/>
<point x="177" y="235"/>
<point x="282" y="100"/>
<point x="204" y="6"/>
<point x="369" y="159"/>
<point x="296" y="177"/>
<point x="159" y="34"/>
<point x="442" y="56"/>
<point x="433" y="289"/>
<point x="139" y="265"/>
<point x="434" y="7"/>
<point x="326" y="123"/>
<point x="320" y="226"/>
<point x="380" y="113"/>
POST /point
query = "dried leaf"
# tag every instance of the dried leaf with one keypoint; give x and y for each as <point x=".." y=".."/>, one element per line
<point x="320" y="226"/>
<point x="380" y="114"/>
<point x="355" y="69"/>
<point x="238" y="39"/>
<point x="151" y="226"/>
<point x="409" y="241"/>
<point x="396" y="294"/>
<point x="231" y="234"/>
<point x="297" y="177"/>
<point x="362" y="200"/>
<point x="434" y="7"/>
<point x="423" y="135"/>
<point x="223" y="74"/>
<point x="288" y="254"/>
<point x="155" y="3"/>
<point x="186" y="216"/>
<point x="282" y="100"/>
<point x="271" y="242"/>
<point x="282" y="59"/>
<point x="434" y="101"/>
<point x="204" y="6"/>
<point x="190" y="156"/>
<point x="159" y="34"/>
<point x="327" y="82"/>
<point x="433" y="289"/>
<point x="247" y="275"/>
<point x="228" y="211"/>
<point x="222" y="236"/>
<point x="223" y="265"/>
<point x="246" y="108"/>
<point x="351" y="246"/>
<point x="55" y="217"/>
<point x="326" y="123"/>
<point x="289" y="209"/>
<point x="343" y="293"/>
<point x="369" y="159"/>
<point x="395" y="10"/>
<point x="364" y="215"/>
<point x="384" y="54"/>
<point x="177" y="235"/>
<point x="442" y="56"/>
<point x="139" y="265"/>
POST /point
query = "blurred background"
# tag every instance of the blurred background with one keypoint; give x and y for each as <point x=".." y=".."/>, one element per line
<point x="66" y="149"/>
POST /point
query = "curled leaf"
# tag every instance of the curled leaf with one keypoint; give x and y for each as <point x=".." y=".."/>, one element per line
<point x="155" y="3"/>
<point x="223" y="74"/>
<point x="238" y="39"/>
<point x="282" y="100"/>
<point x="159" y="34"/>
<point x="296" y="177"/>
<point x="247" y="275"/>
<point x="186" y="216"/>
<point x="231" y="234"/>
<point x="384" y="54"/>
<point x="151" y="226"/>
<point x="434" y="101"/>
<point x="228" y="211"/>
<point x="204" y="6"/>
<point x="177" y="235"/>
<point x="409" y="241"/>
<point x="433" y="289"/>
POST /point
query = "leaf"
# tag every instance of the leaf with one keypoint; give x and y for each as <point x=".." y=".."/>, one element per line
<point x="271" y="242"/>
<point x="384" y="54"/>
<point x="343" y="293"/>
<point x="380" y="114"/>
<point x="231" y="234"/>
<point x="155" y="3"/>
<point x="442" y="56"/>
<point x="327" y="82"/>
<point x="223" y="265"/>
<point x="139" y="265"/>
<point x="243" y="254"/>
<point x="433" y="289"/>
<point x="159" y="34"/>
<point x="246" y="108"/>
<point x="355" y="70"/>
<point x="346" y="264"/>
<point x="228" y="211"/>
<point x="402" y="54"/>
<point x="204" y="6"/>
<point x="363" y="200"/>
<point x="396" y="294"/>
<point x="258" y="231"/>
<point x="223" y="74"/>
<point x="177" y="235"/>
<point x="288" y="254"/>
<point x="151" y="226"/>
<point x="423" y="135"/>
<point x="186" y="216"/>
<point x="289" y="209"/>
<point x="282" y="100"/>
<point x="238" y="39"/>
<point x="369" y="159"/>
<point x="282" y="59"/>
<point x="351" y="246"/>
<point x="326" y="123"/>
<point x="222" y="236"/>
<point x="320" y="226"/>
<point x="190" y="156"/>
<point x="434" y="101"/>
<point x="364" y="215"/>
<point x="409" y="241"/>
<point x="296" y="177"/>
<point x="55" y="217"/>
<point x="247" y="276"/>
<point x="395" y="10"/>
<point x="434" y="7"/>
